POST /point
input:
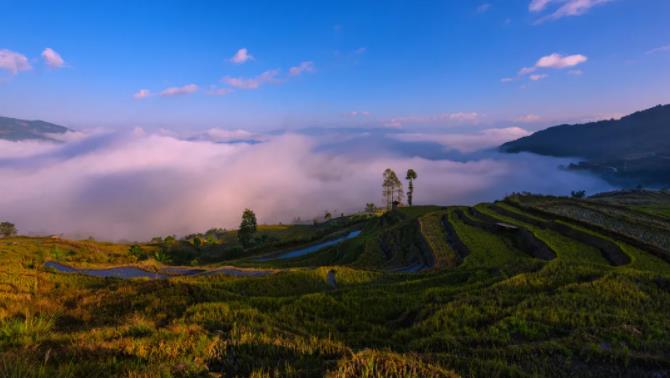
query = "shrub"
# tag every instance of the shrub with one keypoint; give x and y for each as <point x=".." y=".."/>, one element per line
<point x="7" y="229"/>
<point x="578" y="194"/>
<point x="137" y="252"/>
<point x="162" y="255"/>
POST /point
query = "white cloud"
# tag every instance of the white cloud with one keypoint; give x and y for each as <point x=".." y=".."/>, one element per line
<point x="254" y="82"/>
<point x="241" y="56"/>
<point x="538" y="5"/>
<point x="142" y="94"/>
<point x="555" y="61"/>
<point x="576" y="7"/>
<point x="52" y="58"/>
<point x="176" y="91"/>
<point x="306" y="66"/>
<point x="568" y="8"/>
<point x="657" y="50"/>
<point x="558" y="61"/>
<point x="13" y="62"/>
<point x="483" y="8"/>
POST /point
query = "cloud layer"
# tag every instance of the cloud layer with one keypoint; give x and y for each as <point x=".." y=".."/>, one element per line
<point x="136" y="185"/>
<point x="467" y="142"/>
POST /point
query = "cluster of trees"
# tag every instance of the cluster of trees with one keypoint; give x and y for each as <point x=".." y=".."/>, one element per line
<point x="393" y="190"/>
<point x="211" y="236"/>
<point x="193" y="247"/>
<point x="7" y="229"/>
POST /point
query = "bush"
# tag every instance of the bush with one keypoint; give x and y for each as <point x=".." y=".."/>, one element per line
<point x="137" y="252"/>
<point x="7" y="229"/>
<point x="247" y="228"/>
<point x="162" y="255"/>
<point x="578" y="194"/>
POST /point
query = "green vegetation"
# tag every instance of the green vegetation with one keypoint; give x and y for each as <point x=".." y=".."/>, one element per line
<point x="137" y="252"/>
<point x="247" y="228"/>
<point x="392" y="188"/>
<point x="7" y="229"/>
<point x="19" y="129"/>
<point x="631" y="151"/>
<point x="435" y="234"/>
<point x="403" y="299"/>
<point x="411" y="176"/>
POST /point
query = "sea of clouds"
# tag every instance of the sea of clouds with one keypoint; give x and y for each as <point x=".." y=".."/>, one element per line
<point x="132" y="185"/>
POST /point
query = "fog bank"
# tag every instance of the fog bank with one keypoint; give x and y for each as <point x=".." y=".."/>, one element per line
<point x="137" y="185"/>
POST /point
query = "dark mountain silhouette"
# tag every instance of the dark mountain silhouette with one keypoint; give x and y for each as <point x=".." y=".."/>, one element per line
<point x="18" y="129"/>
<point x="633" y="148"/>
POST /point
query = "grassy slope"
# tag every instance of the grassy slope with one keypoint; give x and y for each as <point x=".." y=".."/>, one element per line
<point x="565" y="247"/>
<point x="498" y="313"/>
<point x="435" y="234"/>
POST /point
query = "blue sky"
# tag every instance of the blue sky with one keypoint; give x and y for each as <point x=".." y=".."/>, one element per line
<point x="382" y="63"/>
<point x="165" y="93"/>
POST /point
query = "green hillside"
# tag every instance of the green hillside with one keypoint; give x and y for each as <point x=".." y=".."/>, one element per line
<point x="19" y="129"/>
<point x="527" y="286"/>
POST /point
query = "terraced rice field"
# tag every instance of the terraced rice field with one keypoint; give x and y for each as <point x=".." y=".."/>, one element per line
<point x="497" y="290"/>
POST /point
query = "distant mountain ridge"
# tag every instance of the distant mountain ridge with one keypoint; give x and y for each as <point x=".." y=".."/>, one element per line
<point x="18" y="129"/>
<point x="635" y="147"/>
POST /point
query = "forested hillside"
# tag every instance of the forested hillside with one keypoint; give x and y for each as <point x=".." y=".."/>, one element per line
<point x="633" y="148"/>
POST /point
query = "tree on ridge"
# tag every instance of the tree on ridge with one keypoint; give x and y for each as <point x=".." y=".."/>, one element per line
<point x="392" y="188"/>
<point x="247" y="228"/>
<point x="411" y="176"/>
